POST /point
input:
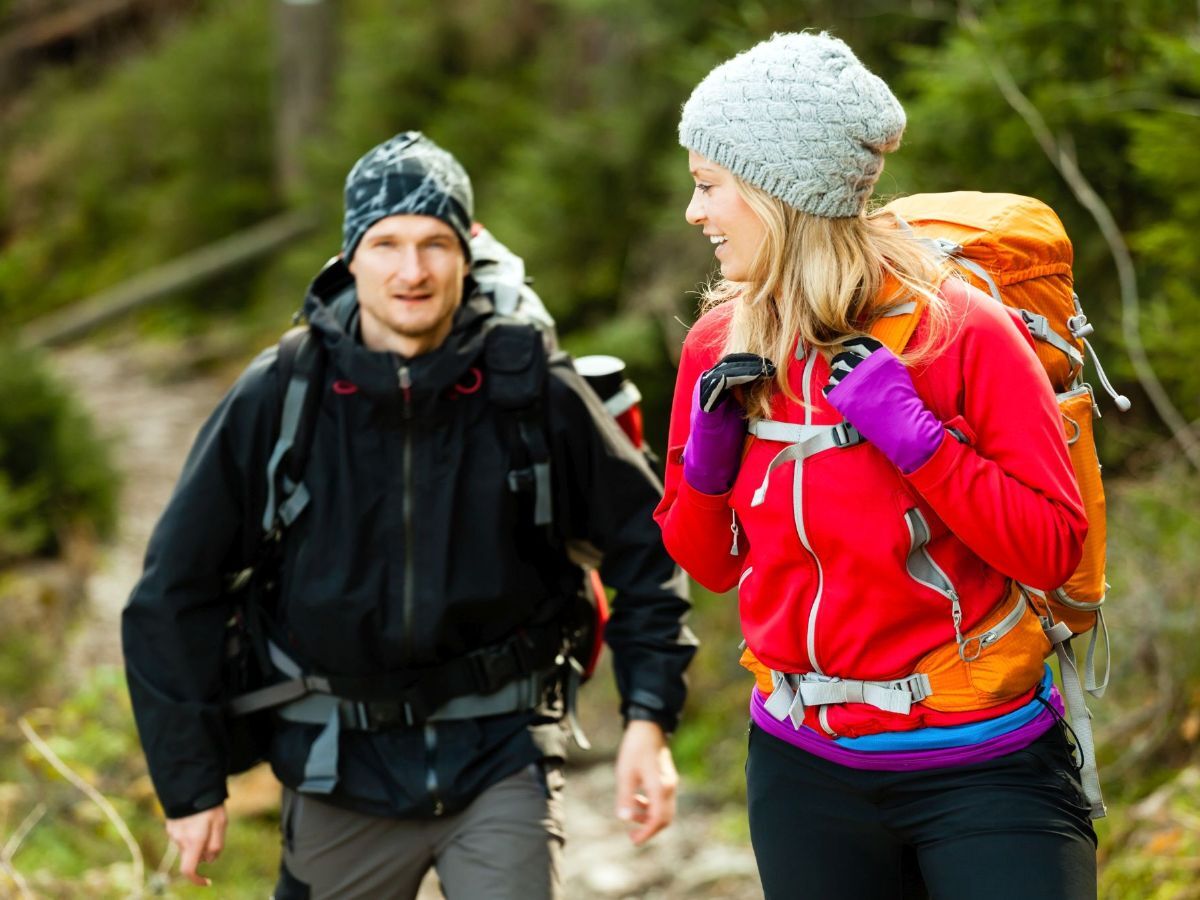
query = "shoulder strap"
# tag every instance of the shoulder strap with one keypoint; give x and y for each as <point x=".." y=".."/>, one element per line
<point x="517" y="362"/>
<point x="895" y="328"/>
<point x="301" y="370"/>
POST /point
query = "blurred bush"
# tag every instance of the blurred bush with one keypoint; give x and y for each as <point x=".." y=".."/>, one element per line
<point x="56" y="475"/>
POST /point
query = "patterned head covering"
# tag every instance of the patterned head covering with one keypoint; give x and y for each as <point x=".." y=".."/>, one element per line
<point x="407" y="175"/>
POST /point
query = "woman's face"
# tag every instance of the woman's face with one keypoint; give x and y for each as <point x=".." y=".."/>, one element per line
<point x="727" y="220"/>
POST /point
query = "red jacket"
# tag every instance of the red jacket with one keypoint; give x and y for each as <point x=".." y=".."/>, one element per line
<point x="824" y="587"/>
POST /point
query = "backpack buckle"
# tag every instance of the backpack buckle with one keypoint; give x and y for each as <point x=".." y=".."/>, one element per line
<point x="487" y="670"/>
<point x="1039" y="326"/>
<point x="845" y="435"/>
<point x="379" y="715"/>
<point x="521" y="480"/>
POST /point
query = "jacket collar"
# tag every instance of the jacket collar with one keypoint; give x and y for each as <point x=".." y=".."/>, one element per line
<point x="331" y="307"/>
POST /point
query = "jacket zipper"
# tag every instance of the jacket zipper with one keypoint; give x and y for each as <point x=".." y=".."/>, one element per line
<point x="810" y="362"/>
<point x="405" y="379"/>
<point x="925" y="571"/>
<point x="431" y="779"/>
<point x="999" y="630"/>
<point x="798" y="512"/>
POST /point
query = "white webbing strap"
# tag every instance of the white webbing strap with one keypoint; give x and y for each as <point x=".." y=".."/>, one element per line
<point x="784" y="702"/>
<point x="1081" y="726"/>
<point x="783" y="432"/>
<point x="900" y="309"/>
<point x="819" y="438"/>
<point x="1039" y="327"/>
<point x="626" y="397"/>
<point x="793" y="693"/>
<point x="977" y="270"/>
<point x="1059" y="632"/>
<point x="1089" y="666"/>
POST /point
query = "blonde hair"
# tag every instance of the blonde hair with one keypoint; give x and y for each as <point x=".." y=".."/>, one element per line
<point x="824" y="280"/>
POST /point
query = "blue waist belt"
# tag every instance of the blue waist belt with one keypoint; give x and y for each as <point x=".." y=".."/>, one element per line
<point x="936" y="738"/>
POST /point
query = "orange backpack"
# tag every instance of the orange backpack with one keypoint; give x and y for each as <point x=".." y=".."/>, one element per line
<point x="1016" y="249"/>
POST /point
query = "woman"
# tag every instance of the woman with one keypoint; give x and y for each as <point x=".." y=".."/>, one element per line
<point x="866" y="554"/>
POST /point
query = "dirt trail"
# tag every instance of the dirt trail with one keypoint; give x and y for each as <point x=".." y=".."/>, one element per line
<point x="153" y="420"/>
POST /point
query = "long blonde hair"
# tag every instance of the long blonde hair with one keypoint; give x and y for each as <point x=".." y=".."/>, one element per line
<point x="824" y="280"/>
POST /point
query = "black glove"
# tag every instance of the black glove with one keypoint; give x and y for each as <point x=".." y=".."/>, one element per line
<point x="735" y="369"/>
<point x="853" y="352"/>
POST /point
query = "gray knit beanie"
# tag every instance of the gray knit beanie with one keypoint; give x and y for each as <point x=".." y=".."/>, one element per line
<point x="800" y="117"/>
<point x="407" y="175"/>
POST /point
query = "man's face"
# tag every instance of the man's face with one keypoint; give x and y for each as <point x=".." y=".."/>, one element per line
<point x="409" y="273"/>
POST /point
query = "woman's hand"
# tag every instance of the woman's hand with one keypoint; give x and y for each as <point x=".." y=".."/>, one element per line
<point x="718" y="424"/>
<point x="873" y="390"/>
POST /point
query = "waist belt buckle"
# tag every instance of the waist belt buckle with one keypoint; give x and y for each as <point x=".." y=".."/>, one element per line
<point x="489" y="670"/>
<point x="383" y="715"/>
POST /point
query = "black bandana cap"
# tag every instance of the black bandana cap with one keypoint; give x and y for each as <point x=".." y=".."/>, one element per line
<point x="407" y="175"/>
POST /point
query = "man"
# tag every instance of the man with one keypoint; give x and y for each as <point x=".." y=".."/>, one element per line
<point x="433" y="543"/>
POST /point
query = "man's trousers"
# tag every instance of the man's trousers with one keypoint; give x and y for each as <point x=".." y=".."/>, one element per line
<point x="507" y="844"/>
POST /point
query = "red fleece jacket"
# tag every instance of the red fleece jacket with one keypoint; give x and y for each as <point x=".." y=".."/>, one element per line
<point x="821" y="564"/>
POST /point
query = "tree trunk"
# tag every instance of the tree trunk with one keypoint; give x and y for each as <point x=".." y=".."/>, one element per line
<point x="304" y="79"/>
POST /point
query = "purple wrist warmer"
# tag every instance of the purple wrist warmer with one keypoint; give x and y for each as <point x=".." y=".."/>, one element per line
<point x="878" y="398"/>
<point x="714" y="447"/>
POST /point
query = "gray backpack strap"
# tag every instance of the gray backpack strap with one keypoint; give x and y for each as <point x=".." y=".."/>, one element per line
<point x="517" y="364"/>
<point x="301" y="370"/>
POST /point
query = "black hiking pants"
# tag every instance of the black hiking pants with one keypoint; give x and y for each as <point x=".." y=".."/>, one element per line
<point x="1016" y="826"/>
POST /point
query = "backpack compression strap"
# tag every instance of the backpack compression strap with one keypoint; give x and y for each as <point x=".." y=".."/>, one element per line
<point x="517" y="363"/>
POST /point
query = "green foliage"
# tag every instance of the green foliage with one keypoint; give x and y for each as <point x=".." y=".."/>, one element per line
<point x="564" y="111"/>
<point x="55" y="473"/>
<point x="168" y="151"/>
<point x="74" y="850"/>
<point x="1148" y="723"/>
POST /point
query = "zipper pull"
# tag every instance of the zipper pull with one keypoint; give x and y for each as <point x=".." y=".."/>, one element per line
<point x="957" y="615"/>
<point x="733" y="527"/>
<point x="406" y="388"/>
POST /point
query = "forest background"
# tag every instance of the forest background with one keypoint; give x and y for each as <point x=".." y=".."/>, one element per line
<point x="133" y="133"/>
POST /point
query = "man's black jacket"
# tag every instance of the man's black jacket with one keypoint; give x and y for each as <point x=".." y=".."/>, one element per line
<point x="412" y="551"/>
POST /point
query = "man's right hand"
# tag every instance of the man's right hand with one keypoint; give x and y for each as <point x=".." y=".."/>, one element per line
<point x="200" y="838"/>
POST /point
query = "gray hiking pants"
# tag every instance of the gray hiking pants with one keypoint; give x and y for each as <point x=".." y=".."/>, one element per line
<point x="506" y="845"/>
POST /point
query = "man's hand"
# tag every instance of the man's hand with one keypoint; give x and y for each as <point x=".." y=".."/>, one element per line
<point x="646" y="780"/>
<point x="200" y="838"/>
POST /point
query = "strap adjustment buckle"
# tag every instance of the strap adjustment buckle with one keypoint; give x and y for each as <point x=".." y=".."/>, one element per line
<point x="1039" y="326"/>
<point x="521" y="480"/>
<point x="488" y="670"/>
<point x="378" y="715"/>
<point x="845" y="435"/>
